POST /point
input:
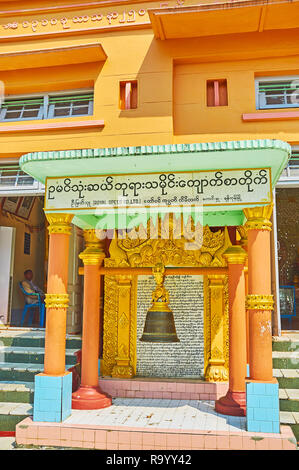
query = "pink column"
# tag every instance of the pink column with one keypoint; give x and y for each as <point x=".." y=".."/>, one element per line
<point x="234" y="402"/>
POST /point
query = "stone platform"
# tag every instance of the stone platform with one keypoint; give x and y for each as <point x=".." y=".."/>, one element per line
<point x="171" y="389"/>
<point x="152" y="424"/>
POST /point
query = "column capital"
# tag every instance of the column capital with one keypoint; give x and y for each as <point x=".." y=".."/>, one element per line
<point x="216" y="280"/>
<point x="59" y="223"/>
<point x="258" y="218"/>
<point x="93" y="238"/>
<point x="235" y="255"/>
<point x="124" y="281"/>
<point x="94" y="248"/>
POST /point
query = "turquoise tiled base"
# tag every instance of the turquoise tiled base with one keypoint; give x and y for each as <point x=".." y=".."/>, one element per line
<point x="262" y="404"/>
<point x="52" y="397"/>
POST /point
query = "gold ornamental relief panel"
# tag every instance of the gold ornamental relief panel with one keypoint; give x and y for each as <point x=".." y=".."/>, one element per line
<point x="216" y="328"/>
<point x="171" y="244"/>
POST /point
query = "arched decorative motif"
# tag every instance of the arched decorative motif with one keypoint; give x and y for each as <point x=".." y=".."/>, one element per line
<point x="174" y="244"/>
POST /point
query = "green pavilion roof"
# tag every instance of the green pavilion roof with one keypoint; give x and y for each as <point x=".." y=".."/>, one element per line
<point x="172" y="157"/>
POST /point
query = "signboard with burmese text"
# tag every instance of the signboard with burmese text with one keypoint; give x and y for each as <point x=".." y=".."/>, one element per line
<point x="169" y="189"/>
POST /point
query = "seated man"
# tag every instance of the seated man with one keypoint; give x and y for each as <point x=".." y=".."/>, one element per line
<point x="29" y="287"/>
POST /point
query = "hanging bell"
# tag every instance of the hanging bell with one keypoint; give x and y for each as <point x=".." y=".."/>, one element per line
<point x="159" y="324"/>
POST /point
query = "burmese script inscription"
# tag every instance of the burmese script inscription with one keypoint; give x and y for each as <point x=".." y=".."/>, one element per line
<point x="209" y="188"/>
<point x="89" y="18"/>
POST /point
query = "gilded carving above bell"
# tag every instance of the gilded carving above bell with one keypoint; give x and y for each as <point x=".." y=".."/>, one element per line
<point x="205" y="249"/>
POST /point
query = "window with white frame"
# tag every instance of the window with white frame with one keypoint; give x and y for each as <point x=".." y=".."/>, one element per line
<point x="47" y="106"/>
<point x="21" y="109"/>
<point x="14" y="181"/>
<point x="277" y="92"/>
<point x="12" y="176"/>
<point x="290" y="174"/>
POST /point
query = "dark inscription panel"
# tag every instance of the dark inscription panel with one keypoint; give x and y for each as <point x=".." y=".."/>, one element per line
<point x="183" y="359"/>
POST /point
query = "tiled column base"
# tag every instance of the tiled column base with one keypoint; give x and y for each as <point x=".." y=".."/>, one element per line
<point x="168" y="389"/>
<point x="262" y="401"/>
<point x="52" y="397"/>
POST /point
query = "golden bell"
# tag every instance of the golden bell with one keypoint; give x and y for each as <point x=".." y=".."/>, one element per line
<point x="159" y="325"/>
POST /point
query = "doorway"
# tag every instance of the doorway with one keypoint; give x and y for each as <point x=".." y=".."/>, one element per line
<point x="287" y="200"/>
<point x="22" y="216"/>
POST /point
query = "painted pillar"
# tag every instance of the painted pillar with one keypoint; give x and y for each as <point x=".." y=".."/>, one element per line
<point x="89" y="396"/>
<point x="244" y="244"/>
<point x="234" y="403"/>
<point x="259" y="299"/>
<point x="262" y="398"/>
<point x="53" y="388"/>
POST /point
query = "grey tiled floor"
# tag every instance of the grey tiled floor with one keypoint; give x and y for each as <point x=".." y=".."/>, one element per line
<point x="159" y="413"/>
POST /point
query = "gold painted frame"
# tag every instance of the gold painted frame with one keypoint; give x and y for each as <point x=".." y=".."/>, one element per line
<point x="120" y="304"/>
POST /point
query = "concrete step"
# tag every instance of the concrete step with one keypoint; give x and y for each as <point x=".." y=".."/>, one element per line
<point x="285" y="359"/>
<point x="12" y="413"/>
<point x="287" y="378"/>
<point x="21" y="372"/>
<point x="24" y="354"/>
<point x="36" y="338"/>
<point x="289" y="417"/>
<point x="16" y="392"/>
<point x="21" y="358"/>
<point x="289" y="342"/>
<point x="289" y="399"/>
<point x="292" y="419"/>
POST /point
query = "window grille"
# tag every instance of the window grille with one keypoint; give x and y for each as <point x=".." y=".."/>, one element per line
<point x="47" y="106"/>
<point x="278" y="94"/>
<point x="13" y="176"/>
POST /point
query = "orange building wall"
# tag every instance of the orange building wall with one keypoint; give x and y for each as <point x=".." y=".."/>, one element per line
<point x="193" y="116"/>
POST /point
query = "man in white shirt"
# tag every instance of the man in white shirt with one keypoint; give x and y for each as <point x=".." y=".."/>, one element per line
<point x="31" y="288"/>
